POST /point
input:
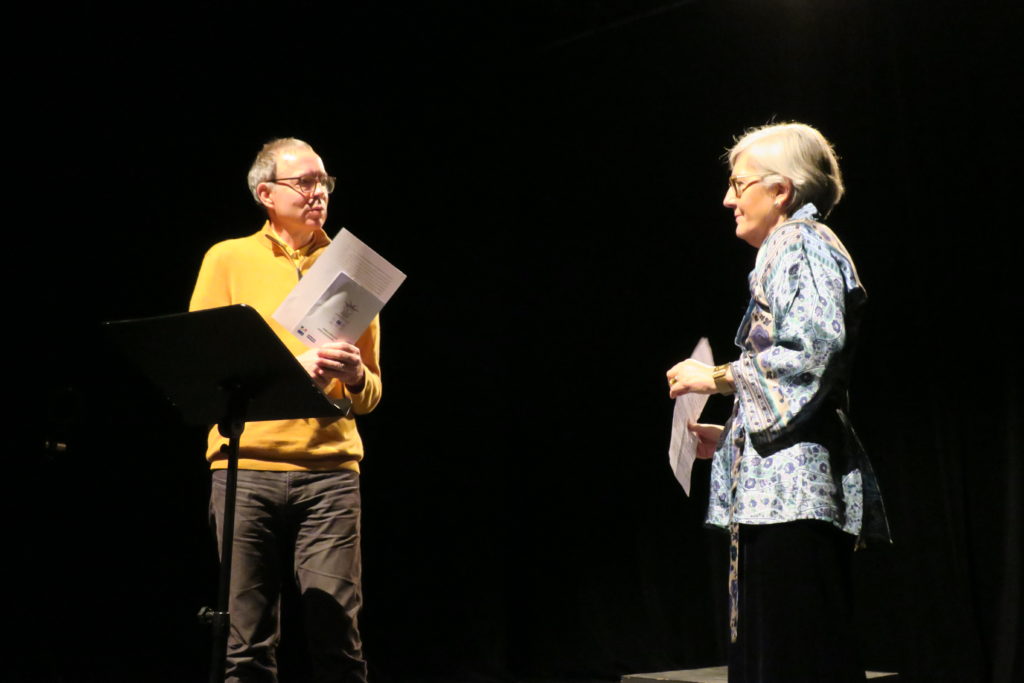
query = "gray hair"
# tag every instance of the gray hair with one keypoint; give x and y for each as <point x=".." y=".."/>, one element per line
<point x="264" y="168"/>
<point x="798" y="153"/>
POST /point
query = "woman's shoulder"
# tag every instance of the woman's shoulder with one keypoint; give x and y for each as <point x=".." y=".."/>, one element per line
<point x="805" y="243"/>
<point x="805" y="235"/>
<point x="823" y="252"/>
<point x="791" y="240"/>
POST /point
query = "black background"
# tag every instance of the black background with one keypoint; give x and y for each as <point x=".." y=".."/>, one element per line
<point x="549" y="176"/>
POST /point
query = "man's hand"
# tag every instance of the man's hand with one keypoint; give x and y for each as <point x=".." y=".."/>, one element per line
<point x="707" y="438"/>
<point x="336" y="360"/>
<point x="690" y="377"/>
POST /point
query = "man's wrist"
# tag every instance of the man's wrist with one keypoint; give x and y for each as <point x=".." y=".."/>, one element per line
<point x="359" y="385"/>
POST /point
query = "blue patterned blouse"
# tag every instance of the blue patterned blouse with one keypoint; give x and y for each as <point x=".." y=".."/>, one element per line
<point x="805" y="303"/>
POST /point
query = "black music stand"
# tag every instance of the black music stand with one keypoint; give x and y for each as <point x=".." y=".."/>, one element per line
<point x="223" y="366"/>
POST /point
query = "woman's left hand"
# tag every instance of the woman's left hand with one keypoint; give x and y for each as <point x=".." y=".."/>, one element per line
<point x="690" y="377"/>
<point x="707" y="438"/>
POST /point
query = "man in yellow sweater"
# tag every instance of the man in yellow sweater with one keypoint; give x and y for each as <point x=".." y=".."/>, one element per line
<point x="298" y="480"/>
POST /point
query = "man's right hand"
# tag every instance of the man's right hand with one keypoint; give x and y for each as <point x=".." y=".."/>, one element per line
<point x="335" y="360"/>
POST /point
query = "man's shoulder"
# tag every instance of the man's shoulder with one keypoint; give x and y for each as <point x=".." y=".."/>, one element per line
<point x="236" y="246"/>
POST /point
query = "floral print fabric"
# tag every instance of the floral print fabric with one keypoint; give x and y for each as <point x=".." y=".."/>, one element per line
<point x="805" y="302"/>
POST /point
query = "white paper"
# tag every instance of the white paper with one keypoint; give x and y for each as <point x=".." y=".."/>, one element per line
<point x="337" y="299"/>
<point x="682" y="448"/>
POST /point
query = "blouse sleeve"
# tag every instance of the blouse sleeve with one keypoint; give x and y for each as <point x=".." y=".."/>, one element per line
<point x="781" y="376"/>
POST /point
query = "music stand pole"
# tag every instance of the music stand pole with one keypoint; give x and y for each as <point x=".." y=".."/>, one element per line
<point x="220" y="620"/>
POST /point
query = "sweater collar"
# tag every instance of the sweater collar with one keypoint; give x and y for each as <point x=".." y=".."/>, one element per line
<point x="320" y="239"/>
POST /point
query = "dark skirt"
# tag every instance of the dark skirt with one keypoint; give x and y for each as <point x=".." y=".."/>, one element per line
<point x="795" y="606"/>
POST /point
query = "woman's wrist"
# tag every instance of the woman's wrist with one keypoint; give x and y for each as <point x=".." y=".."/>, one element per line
<point x="722" y="377"/>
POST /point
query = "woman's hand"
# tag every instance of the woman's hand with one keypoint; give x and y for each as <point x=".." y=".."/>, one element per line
<point x="690" y="377"/>
<point x="707" y="438"/>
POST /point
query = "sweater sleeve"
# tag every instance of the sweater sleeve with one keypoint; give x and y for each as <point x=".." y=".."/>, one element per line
<point x="212" y="288"/>
<point x="369" y="348"/>
<point x="781" y="376"/>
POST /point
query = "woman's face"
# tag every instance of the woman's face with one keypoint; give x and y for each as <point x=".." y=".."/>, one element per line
<point x="756" y="207"/>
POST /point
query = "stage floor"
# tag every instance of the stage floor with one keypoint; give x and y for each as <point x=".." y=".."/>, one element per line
<point x="718" y="674"/>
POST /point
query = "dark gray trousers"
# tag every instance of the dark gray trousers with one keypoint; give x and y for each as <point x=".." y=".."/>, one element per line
<point x="312" y="517"/>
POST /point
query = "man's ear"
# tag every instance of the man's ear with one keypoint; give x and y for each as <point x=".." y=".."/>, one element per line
<point x="263" y="192"/>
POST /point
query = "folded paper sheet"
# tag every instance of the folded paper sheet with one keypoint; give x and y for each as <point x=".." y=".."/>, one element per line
<point x="337" y="299"/>
<point x="682" y="449"/>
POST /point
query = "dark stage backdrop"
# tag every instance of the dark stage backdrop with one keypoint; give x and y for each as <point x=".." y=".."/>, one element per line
<point x="549" y="176"/>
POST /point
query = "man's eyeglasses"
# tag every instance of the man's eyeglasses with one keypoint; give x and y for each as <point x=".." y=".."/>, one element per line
<point x="307" y="184"/>
<point x="739" y="188"/>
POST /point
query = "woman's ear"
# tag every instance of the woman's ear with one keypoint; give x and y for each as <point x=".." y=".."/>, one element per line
<point x="783" y="194"/>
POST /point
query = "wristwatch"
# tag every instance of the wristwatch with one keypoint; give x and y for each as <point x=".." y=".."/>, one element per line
<point x="722" y="386"/>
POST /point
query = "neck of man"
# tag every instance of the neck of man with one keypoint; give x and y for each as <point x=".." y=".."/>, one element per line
<point x="295" y="237"/>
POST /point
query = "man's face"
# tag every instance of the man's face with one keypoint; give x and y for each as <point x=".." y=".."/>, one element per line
<point x="289" y="207"/>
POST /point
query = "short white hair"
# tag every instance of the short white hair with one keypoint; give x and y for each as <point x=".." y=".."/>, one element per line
<point x="264" y="168"/>
<point x="798" y="153"/>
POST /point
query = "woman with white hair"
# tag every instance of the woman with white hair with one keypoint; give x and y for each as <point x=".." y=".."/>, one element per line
<point x="789" y="478"/>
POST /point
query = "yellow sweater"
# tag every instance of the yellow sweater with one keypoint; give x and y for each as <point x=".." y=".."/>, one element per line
<point x="260" y="270"/>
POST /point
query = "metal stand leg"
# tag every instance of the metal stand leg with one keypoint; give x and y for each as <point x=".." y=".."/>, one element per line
<point x="220" y="619"/>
